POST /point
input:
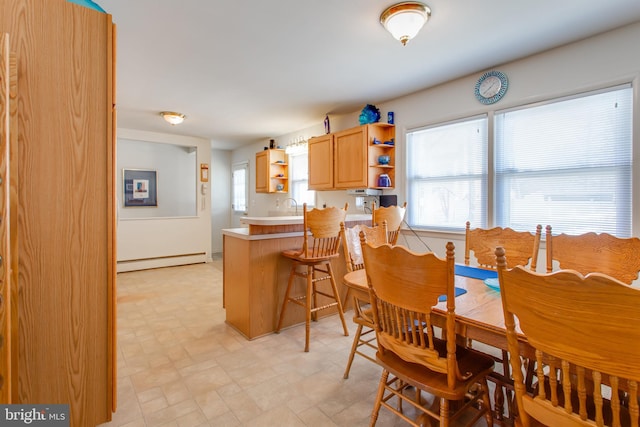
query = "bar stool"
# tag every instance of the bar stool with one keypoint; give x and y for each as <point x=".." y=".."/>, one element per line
<point x="313" y="262"/>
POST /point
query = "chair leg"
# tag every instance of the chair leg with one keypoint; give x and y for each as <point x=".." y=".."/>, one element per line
<point x="314" y="314"/>
<point x="444" y="412"/>
<point x="354" y="347"/>
<point x="334" y="287"/>
<point x="310" y="291"/>
<point x="486" y="402"/>
<point x="292" y="275"/>
<point x="379" y="395"/>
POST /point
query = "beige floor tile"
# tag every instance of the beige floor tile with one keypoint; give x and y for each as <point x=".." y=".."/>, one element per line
<point x="181" y="365"/>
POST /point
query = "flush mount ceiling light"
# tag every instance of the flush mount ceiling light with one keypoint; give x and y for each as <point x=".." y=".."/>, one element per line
<point x="404" y="20"/>
<point x="172" y="117"/>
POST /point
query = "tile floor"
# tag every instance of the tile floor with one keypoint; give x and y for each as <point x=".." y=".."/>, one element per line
<point x="180" y="364"/>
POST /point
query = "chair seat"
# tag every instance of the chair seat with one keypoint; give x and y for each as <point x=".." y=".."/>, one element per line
<point x="477" y="364"/>
<point x="298" y="255"/>
<point x="362" y="320"/>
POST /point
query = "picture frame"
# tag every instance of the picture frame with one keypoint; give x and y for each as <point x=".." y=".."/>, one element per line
<point x="140" y="187"/>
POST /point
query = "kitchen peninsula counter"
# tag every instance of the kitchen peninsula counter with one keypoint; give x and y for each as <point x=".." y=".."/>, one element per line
<point x="255" y="274"/>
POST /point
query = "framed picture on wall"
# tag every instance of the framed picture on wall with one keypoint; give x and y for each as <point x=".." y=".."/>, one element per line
<point x="140" y="187"/>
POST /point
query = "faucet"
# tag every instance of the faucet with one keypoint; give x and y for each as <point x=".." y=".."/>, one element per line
<point x="295" y="203"/>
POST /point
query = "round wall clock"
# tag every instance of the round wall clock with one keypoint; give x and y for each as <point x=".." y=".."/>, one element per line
<point x="491" y="87"/>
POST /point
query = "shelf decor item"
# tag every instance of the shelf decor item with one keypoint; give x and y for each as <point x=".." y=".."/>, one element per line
<point x="384" y="180"/>
<point x="88" y="3"/>
<point x="370" y="114"/>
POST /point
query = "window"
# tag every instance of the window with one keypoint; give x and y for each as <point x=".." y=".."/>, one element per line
<point x="567" y="164"/>
<point x="447" y="175"/>
<point x="240" y="188"/>
<point x="299" y="178"/>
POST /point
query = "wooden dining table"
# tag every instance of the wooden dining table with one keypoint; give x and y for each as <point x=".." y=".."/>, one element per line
<point x="479" y="317"/>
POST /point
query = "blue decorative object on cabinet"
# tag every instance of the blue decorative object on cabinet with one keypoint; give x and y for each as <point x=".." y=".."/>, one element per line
<point x="384" y="159"/>
<point x="369" y="114"/>
<point x="89" y="4"/>
<point x="384" y="180"/>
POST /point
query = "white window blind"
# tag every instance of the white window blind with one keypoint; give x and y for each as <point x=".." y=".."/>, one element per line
<point x="299" y="179"/>
<point x="567" y="164"/>
<point x="447" y="175"/>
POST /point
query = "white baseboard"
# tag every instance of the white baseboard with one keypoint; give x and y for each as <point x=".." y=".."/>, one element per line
<point x="170" y="261"/>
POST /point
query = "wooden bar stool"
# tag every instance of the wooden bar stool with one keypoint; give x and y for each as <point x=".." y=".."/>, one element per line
<point x="313" y="263"/>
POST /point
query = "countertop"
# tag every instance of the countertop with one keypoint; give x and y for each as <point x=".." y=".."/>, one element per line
<point x="286" y="220"/>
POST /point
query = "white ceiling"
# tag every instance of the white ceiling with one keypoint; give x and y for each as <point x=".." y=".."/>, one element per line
<point x="247" y="70"/>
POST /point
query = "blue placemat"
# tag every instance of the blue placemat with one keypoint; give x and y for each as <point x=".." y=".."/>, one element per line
<point x="458" y="291"/>
<point x="475" y="272"/>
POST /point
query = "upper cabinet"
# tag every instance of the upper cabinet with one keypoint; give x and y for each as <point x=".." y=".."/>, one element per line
<point x="353" y="158"/>
<point x="272" y="171"/>
<point x="320" y="155"/>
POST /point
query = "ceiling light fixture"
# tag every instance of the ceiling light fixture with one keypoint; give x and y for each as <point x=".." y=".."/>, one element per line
<point x="404" y="20"/>
<point x="172" y="117"/>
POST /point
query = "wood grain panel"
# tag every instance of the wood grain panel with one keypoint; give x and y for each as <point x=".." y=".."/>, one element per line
<point x="65" y="193"/>
<point x="255" y="281"/>
<point x="321" y="162"/>
<point x="5" y="260"/>
<point x="13" y="220"/>
<point x="350" y="158"/>
<point x="112" y="364"/>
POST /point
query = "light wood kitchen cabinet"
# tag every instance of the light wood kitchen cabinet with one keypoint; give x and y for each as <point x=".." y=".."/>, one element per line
<point x="61" y="208"/>
<point x="272" y="171"/>
<point x="320" y="155"/>
<point x="350" y="158"/>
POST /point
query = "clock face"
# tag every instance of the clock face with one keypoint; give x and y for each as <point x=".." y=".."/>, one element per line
<point x="491" y="87"/>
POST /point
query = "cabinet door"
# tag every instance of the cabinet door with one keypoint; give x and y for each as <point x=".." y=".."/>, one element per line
<point x="7" y="304"/>
<point x="262" y="172"/>
<point x="64" y="222"/>
<point x="351" y="158"/>
<point x="321" y="163"/>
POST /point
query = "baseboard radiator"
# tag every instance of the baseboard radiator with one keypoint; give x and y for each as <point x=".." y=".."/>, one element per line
<point x="163" y="261"/>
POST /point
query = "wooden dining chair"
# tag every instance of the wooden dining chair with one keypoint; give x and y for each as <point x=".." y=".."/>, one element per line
<point x="394" y="215"/>
<point x="591" y="252"/>
<point x="351" y="239"/>
<point x="404" y="286"/>
<point x="522" y="246"/>
<point x="321" y="244"/>
<point x="586" y="335"/>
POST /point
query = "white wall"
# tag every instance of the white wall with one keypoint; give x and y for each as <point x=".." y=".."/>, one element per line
<point x="220" y="171"/>
<point x="597" y="62"/>
<point x="159" y="242"/>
